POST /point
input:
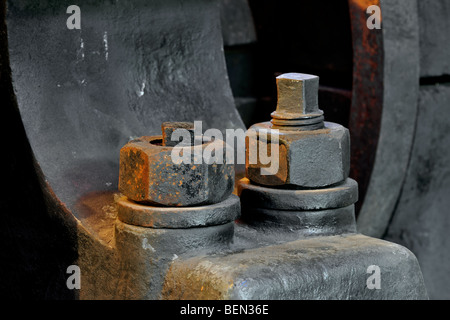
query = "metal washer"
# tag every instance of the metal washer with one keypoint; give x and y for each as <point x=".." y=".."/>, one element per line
<point x="337" y="196"/>
<point x="178" y="217"/>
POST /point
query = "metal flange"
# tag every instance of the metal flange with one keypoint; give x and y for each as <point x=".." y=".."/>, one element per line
<point x="307" y="223"/>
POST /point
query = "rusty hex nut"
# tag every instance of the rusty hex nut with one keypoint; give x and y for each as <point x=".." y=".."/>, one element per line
<point x="148" y="174"/>
<point x="306" y="159"/>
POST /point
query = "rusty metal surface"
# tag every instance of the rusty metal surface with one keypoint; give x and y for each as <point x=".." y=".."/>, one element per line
<point x="148" y="173"/>
<point x="77" y="151"/>
<point x="310" y="153"/>
<point x="81" y="101"/>
<point x="168" y="137"/>
<point x="367" y="97"/>
<point x="76" y="97"/>
<point x="145" y="254"/>
<point x="384" y="109"/>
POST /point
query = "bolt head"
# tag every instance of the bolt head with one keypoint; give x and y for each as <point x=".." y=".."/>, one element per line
<point x="297" y="96"/>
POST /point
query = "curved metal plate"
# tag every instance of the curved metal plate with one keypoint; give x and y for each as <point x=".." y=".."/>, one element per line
<point x="83" y="94"/>
<point x="385" y="95"/>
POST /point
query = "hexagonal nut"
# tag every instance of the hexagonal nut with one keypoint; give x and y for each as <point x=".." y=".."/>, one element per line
<point x="305" y="159"/>
<point x="148" y="174"/>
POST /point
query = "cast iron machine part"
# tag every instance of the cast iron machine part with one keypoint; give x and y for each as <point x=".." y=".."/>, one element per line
<point x="296" y="238"/>
<point x="310" y="195"/>
<point x="161" y="193"/>
<point x="169" y="208"/>
<point x="88" y="105"/>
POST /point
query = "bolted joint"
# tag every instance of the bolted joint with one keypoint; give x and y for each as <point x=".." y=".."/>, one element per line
<point x="305" y="159"/>
<point x="298" y="102"/>
<point x="309" y="152"/>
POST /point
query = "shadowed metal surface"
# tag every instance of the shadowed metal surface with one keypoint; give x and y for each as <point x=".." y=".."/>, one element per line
<point x="386" y="87"/>
<point x="421" y="221"/>
<point x="84" y="93"/>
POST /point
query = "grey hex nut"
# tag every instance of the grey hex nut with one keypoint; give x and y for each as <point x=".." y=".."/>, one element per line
<point x="148" y="173"/>
<point x="306" y="159"/>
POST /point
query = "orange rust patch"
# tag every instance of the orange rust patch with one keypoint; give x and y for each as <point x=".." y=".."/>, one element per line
<point x="134" y="173"/>
<point x="188" y="281"/>
<point x="364" y="4"/>
<point x="97" y="211"/>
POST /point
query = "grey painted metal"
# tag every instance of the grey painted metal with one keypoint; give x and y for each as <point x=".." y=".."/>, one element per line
<point x="400" y="31"/>
<point x="422" y="221"/>
<point x="307" y="270"/>
<point x="150" y="173"/>
<point x="145" y="255"/>
<point x="237" y="22"/>
<point x="337" y="196"/>
<point x="179" y="217"/>
<point x="83" y="94"/>
<point x="434" y="37"/>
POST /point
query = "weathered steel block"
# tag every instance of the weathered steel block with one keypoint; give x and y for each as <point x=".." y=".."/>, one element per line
<point x="319" y="268"/>
<point x="148" y="174"/>
<point x="306" y="159"/>
<point x="306" y="223"/>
